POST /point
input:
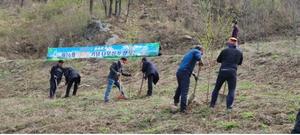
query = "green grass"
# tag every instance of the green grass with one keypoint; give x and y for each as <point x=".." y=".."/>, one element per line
<point x="263" y="126"/>
<point x="246" y="85"/>
<point x="4" y="74"/>
<point x="104" y="130"/>
<point x="242" y="98"/>
<point x="275" y="56"/>
<point x="292" y="117"/>
<point x="227" y="125"/>
<point x="247" y="115"/>
<point x="59" y="103"/>
<point x="152" y="130"/>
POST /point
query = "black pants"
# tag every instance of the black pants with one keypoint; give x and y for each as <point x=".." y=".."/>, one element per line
<point x="183" y="80"/>
<point x="296" y="129"/>
<point x="228" y="75"/>
<point x="76" y="82"/>
<point x="53" y="86"/>
<point x="150" y="85"/>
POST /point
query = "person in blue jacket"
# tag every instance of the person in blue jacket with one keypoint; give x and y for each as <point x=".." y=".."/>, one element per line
<point x="229" y="58"/>
<point x="149" y="72"/>
<point x="56" y="74"/>
<point x="183" y="74"/>
<point x="296" y="129"/>
<point x="72" y="77"/>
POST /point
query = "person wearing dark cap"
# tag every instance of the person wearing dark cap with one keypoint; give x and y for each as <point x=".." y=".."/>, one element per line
<point x="149" y="72"/>
<point x="296" y="129"/>
<point x="71" y="76"/>
<point x="229" y="58"/>
<point x="235" y="29"/>
<point x="56" y="74"/>
<point x="116" y="70"/>
<point x="183" y="74"/>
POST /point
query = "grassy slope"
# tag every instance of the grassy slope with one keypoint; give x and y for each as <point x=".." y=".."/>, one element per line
<point x="267" y="98"/>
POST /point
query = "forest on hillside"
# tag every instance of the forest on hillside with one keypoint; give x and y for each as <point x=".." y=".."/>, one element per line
<point x="28" y="27"/>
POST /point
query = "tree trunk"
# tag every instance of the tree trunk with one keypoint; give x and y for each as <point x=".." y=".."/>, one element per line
<point x="116" y="7"/>
<point x="91" y="6"/>
<point x="22" y="3"/>
<point x="120" y="7"/>
<point x="104" y="2"/>
<point x="110" y="8"/>
<point x="128" y="9"/>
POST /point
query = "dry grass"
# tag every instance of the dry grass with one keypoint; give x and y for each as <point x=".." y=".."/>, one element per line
<point x="263" y="104"/>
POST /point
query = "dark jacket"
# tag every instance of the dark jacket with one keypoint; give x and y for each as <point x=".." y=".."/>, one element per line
<point x="296" y="129"/>
<point x="115" y="69"/>
<point x="70" y="74"/>
<point x="189" y="60"/>
<point x="230" y="58"/>
<point x="149" y="68"/>
<point x="56" y="72"/>
<point x="235" y="31"/>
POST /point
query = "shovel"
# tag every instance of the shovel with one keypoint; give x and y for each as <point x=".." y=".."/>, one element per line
<point x="223" y="96"/>
<point x="122" y="94"/>
<point x="193" y="94"/>
<point x="140" y="90"/>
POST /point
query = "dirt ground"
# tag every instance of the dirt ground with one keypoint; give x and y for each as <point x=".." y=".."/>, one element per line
<point x="267" y="97"/>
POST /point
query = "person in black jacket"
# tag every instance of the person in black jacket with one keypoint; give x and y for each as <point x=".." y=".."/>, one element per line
<point x="229" y="58"/>
<point x="149" y="72"/>
<point x="56" y="74"/>
<point x="71" y="76"/>
<point x="116" y="70"/>
<point x="296" y="129"/>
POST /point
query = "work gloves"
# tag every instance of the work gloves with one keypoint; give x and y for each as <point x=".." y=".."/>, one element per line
<point x="200" y="63"/>
<point x="126" y="74"/>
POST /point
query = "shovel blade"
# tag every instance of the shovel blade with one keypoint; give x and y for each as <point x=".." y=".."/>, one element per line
<point x="222" y="98"/>
<point x="192" y="97"/>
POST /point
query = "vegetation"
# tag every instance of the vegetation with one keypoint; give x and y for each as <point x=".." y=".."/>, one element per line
<point x="28" y="27"/>
<point x="267" y="95"/>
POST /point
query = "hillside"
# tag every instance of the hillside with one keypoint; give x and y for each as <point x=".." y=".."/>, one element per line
<point x="26" y="31"/>
<point x="268" y="88"/>
<point x="266" y="102"/>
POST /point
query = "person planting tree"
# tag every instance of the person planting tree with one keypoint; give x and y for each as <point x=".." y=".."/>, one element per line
<point x="183" y="74"/>
<point x="116" y="70"/>
<point x="229" y="58"/>
<point x="56" y="74"/>
<point x="149" y="72"/>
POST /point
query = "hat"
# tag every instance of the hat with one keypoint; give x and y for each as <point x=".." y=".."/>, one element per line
<point x="233" y="39"/>
<point x="199" y="47"/>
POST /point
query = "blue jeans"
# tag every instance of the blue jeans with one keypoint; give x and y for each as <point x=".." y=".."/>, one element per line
<point x="183" y="80"/>
<point x="228" y="75"/>
<point x="109" y="87"/>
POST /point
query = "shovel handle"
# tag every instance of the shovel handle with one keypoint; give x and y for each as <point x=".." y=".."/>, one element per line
<point x="198" y="73"/>
<point x="140" y="90"/>
<point x="224" y="88"/>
